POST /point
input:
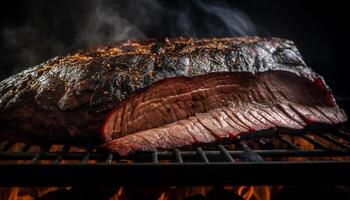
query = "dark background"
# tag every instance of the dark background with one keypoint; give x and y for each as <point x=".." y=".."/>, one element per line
<point x="33" y="31"/>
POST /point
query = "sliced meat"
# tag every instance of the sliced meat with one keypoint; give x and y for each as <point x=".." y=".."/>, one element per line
<point x="180" y="101"/>
<point x="235" y="103"/>
<point x="177" y="135"/>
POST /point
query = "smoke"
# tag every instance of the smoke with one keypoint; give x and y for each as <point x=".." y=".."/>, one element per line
<point x="24" y="47"/>
<point x="50" y="29"/>
<point x="209" y="19"/>
<point x="104" y="24"/>
<point x="236" y="22"/>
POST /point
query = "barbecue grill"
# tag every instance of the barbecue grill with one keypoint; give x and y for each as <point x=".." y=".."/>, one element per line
<point x="265" y="157"/>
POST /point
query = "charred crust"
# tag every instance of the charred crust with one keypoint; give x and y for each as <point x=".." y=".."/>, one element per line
<point x="114" y="71"/>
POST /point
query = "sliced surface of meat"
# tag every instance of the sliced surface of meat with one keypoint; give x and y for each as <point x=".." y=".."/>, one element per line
<point x="140" y="95"/>
<point x="215" y="107"/>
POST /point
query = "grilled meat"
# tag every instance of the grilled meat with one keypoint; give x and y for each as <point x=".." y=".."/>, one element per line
<point x="142" y="95"/>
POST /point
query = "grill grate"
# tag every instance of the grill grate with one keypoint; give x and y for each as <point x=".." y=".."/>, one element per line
<point x="266" y="157"/>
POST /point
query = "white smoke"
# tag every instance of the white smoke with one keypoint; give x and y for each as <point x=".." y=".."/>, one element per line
<point x="106" y="25"/>
<point x="237" y="23"/>
<point x="100" y="21"/>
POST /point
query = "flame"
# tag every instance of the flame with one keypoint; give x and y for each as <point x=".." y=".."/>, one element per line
<point x="14" y="193"/>
<point x="163" y="196"/>
<point x="249" y="193"/>
<point x="119" y="194"/>
<point x="262" y="193"/>
<point x="254" y="192"/>
<point x="120" y="191"/>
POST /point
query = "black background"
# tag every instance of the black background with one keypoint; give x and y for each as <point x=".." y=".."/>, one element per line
<point x="318" y="28"/>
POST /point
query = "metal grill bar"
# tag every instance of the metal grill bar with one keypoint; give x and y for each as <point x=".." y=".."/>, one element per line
<point x="61" y="154"/>
<point x="287" y="142"/>
<point x="109" y="158"/>
<point x="7" y="146"/>
<point x="334" y="141"/>
<point x="37" y="156"/>
<point x="86" y="157"/>
<point x="248" y="154"/>
<point x="262" y="144"/>
<point x="155" y="157"/>
<point x="202" y="155"/>
<point x="225" y="153"/>
<point x="342" y="134"/>
<point x="178" y="155"/>
<point x="313" y="141"/>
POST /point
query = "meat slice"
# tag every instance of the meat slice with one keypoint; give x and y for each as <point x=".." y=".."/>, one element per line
<point x="139" y="95"/>
<point x="215" y="107"/>
<point x="177" y="135"/>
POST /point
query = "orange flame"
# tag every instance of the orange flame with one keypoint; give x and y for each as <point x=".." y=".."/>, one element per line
<point x="254" y="192"/>
<point x="163" y="196"/>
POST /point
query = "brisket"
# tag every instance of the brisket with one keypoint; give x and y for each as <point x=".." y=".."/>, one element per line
<point x="142" y="95"/>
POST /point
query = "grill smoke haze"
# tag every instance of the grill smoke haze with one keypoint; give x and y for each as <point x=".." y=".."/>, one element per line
<point x="51" y="30"/>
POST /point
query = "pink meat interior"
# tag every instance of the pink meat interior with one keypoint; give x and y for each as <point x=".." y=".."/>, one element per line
<point x="182" y="111"/>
